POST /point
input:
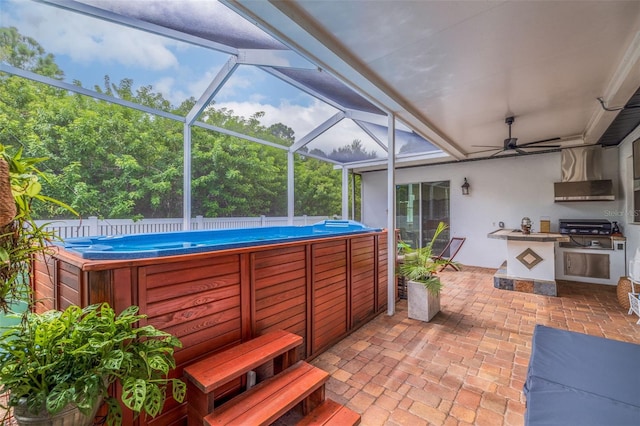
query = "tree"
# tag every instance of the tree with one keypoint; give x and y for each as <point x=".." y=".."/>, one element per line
<point x="353" y="152"/>
<point x="115" y="162"/>
<point x="236" y="178"/>
<point x="26" y="53"/>
<point x="282" y="133"/>
<point x="317" y="187"/>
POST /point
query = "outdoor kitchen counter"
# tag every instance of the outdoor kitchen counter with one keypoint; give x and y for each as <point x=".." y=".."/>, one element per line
<point x="517" y="235"/>
<point x="530" y="261"/>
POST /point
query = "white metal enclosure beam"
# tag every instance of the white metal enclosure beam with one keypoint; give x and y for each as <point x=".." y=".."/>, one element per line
<point x="215" y="86"/>
<point x="186" y="179"/>
<point x="329" y="123"/>
<point x="290" y="187"/>
<point x="391" y="217"/>
<point x="345" y="193"/>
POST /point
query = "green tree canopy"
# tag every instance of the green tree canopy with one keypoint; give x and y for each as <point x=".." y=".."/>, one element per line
<point x="116" y="162"/>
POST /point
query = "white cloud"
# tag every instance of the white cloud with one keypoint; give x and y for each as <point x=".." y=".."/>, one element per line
<point x="237" y="83"/>
<point x="86" y="39"/>
<point x="302" y="119"/>
<point x="166" y="86"/>
<point x="178" y="90"/>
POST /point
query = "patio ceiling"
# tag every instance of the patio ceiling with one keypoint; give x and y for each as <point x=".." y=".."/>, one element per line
<point x="455" y="70"/>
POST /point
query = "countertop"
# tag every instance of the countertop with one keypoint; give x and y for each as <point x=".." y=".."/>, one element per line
<point x="517" y="235"/>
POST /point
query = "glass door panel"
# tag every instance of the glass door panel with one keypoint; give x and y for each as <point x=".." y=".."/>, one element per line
<point x="435" y="209"/>
<point x="408" y="213"/>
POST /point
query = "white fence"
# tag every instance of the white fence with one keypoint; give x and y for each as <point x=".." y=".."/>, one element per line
<point x="93" y="226"/>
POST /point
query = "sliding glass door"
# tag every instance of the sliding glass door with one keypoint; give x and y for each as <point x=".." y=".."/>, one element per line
<point x="435" y="209"/>
<point x="419" y="209"/>
<point x="408" y="213"/>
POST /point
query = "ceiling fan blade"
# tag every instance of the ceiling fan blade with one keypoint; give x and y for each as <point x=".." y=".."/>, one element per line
<point x="488" y="146"/>
<point x="540" y="146"/>
<point x="496" y="153"/>
<point x="520" y="151"/>
<point x="537" y="142"/>
<point x="487" y="150"/>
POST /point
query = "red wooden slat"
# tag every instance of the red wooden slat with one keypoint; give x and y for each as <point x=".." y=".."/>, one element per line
<point x="269" y="400"/>
<point x="219" y="368"/>
<point x="330" y="413"/>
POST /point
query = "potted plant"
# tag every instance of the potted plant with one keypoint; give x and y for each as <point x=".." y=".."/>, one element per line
<point x="58" y="365"/>
<point x="20" y="237"/>
<point x="420" y="267"/>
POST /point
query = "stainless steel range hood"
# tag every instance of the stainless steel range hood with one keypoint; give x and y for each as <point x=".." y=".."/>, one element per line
<point x="582" y="176"/>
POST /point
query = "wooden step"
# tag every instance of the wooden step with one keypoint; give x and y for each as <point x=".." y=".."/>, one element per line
<point x="213" y="372"/>
<point x="330" y="413"/>
<point x="270" y="399"/>
<point x="220" y="368"/>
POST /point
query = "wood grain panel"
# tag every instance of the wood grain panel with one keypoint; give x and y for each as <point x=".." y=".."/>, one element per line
<point x="68" y="276"/>
<point x="382" y="271"/>
<point x="100" y="287"/>
<point x="67" y="292"/>
<point x="363" y="283"/>
<point x="68" y="286"/>
<point x="196" y="301"/>
<point x="279" y="283"/>
<point x="219" y="298"/>
<point x="198" y="345"/>
<point x="329" y="293"/>
<point x="43" y="283"/>
<point x="266" y="259"/>
<point x="201" y="269"/>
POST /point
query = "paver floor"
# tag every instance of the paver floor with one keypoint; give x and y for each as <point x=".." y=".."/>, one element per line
<point x="468" y="365"/>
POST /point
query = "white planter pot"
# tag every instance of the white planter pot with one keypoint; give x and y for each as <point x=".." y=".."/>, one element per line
<point x="423" y="305"/>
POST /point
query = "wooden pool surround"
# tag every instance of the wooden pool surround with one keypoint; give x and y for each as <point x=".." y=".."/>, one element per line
<point x="321" y="289"/>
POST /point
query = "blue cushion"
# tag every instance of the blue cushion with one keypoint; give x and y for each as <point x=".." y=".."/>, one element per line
<point x="574" y="378"/>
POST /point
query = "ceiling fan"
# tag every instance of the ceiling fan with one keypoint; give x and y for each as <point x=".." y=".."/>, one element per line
<point x="510" y="144"/>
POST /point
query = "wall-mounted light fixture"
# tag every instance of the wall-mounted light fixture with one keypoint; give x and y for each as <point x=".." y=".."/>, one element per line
<point x="465" y="187"/>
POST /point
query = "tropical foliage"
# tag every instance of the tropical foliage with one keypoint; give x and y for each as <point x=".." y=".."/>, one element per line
<point x="111" y="161"/>
<point x="422" y="264"/>
<point x="21" y="237"/>
<point x="73" y="356"/>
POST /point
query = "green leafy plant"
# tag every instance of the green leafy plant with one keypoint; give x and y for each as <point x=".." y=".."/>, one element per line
<point x="21" y="238"/>
<point x="422" y="265"/>
<point x="56" y="358"/>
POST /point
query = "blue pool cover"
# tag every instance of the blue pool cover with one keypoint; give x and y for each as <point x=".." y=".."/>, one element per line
<point x="140" y="246"/>
<point x="577" y="379"/>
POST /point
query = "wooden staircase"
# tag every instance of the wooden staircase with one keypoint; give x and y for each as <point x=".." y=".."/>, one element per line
<point x="293" y="385"/>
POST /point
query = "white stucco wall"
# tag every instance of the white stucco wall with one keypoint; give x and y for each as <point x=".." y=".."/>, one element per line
<point x="502" y="189"/>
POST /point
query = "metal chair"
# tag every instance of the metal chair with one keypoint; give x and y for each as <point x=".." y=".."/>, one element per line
<point x="449" y="252"/>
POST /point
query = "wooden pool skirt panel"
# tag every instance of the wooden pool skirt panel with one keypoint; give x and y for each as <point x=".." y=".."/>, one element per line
<point x="321" y="289"/>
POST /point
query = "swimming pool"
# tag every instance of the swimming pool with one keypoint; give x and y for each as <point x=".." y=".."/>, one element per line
<point x="140" y="246"/>
<point x="321" y="286"/>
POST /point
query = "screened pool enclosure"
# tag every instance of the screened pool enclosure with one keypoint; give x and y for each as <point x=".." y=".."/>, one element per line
<point x="209" y="52"/>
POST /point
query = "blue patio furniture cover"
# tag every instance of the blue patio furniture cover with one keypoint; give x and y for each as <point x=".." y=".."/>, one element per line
<point x="577" y="379"/>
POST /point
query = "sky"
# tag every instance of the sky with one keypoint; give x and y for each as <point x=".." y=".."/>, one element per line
<point x="87" y="49"/>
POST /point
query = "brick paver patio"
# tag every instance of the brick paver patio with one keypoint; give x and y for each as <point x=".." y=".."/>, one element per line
<point x="468" y="365"/>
